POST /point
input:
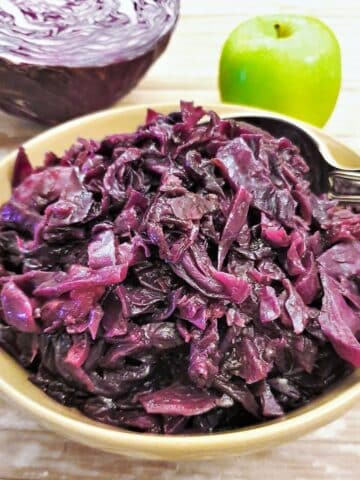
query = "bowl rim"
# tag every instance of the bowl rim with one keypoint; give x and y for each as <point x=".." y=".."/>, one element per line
<point x="318" y="412"/>
<point x="337" y="400"/>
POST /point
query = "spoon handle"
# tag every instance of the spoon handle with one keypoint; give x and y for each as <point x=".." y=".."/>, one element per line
<point x="344" y="186"/>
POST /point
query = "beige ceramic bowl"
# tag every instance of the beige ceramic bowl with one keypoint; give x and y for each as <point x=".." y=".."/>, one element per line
<point x="72" y="424"/>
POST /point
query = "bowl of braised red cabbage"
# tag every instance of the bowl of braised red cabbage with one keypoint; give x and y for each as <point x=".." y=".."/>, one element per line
<point x="180" y="281"/>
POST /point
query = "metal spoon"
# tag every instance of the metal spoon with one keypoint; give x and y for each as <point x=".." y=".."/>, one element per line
<point x="332" y="172"/>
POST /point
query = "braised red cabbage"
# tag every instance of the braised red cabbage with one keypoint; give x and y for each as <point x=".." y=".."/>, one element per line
<point x="171" y="279"/>
<point x="62" y="59"/>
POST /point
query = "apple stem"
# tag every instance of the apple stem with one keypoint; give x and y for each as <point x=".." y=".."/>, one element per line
<point x="282" y="31"/>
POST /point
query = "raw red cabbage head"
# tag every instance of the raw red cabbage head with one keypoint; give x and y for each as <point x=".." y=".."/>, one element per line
<point x="62" y="59"/>
<point x="171" y="279"/>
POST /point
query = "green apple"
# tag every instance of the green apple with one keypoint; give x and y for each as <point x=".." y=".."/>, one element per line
<point x="287" y="63"/>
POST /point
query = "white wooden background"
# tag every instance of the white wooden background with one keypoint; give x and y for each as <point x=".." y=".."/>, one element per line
<point x="188" y="70"/>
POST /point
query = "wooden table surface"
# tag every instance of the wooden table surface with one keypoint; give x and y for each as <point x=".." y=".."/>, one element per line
<point x="188" y="70"/>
